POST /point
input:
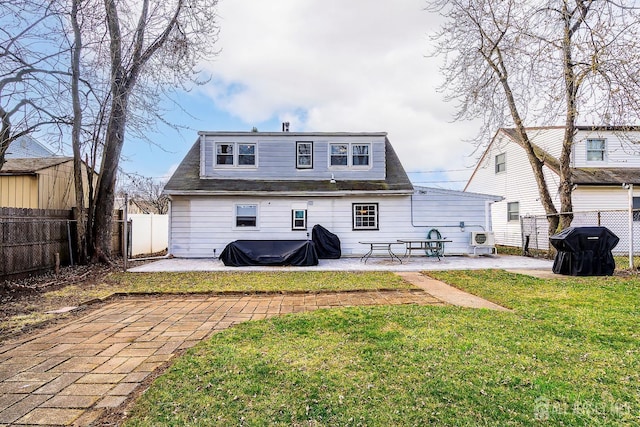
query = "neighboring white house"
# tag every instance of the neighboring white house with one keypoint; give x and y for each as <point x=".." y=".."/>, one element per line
<point x="602" y="160"/>
<point x="278" y="185"/>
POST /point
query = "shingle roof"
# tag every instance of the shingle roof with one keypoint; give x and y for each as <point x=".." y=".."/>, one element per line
<point x="31" y="165"/>
<point x="606" y="176"/>
<point x="186" y="180"/>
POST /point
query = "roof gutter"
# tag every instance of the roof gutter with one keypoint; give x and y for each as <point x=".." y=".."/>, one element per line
<point x="291" y="193"/>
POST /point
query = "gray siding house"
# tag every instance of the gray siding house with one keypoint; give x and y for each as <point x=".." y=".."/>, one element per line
<point x="278" y="185"/>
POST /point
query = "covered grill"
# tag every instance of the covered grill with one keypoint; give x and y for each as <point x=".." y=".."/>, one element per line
<point x="584" y="251"/>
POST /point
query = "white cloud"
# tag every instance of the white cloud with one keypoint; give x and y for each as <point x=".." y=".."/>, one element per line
<point x="338" y="65"/>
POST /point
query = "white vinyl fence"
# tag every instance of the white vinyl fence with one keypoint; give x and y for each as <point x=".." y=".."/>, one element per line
<point x="149" y="233"/>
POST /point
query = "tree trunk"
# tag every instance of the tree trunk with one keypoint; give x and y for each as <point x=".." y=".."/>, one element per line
<point x="105" y="193"/>
<point x="80" y="212"/>
<point x="571" y="89"/>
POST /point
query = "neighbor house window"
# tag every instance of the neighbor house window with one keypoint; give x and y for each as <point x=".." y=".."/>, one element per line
<point x="365" y="216"/>
<point x="513" y="211"/>
<point x="501" y="163"/>
<point x="636" y="205"/>
<point x="339" y="154"/>
<point x="596" y="150"/>
<point x="235" y="154"/>
<point x="246" y="215"/>
<point x="299" y="219"/>
<point x="304" y="155"/>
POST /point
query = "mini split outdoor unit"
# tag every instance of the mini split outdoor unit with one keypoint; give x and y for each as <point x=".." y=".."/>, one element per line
<point x="482" y="238"/>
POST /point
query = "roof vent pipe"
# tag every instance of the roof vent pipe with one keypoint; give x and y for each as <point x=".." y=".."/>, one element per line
<point x="285" y="126"/>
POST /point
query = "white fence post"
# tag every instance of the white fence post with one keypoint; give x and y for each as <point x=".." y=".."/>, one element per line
<point x="629" y="187"/>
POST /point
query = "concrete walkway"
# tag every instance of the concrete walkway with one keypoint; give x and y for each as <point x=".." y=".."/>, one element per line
<point x="447" y="293"/>
<point x="74" y="373"/>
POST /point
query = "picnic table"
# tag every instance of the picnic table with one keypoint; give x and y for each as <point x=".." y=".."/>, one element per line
<point x="378" y="245"/>
<point x="431" y="247"/>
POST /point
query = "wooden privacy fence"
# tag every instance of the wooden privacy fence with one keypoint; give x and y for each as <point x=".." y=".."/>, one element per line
<point x="31" y="238"/>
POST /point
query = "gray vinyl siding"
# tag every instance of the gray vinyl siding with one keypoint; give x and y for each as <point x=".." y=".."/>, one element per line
<point x="200" y="225"/>
<point x="276" y="158"/>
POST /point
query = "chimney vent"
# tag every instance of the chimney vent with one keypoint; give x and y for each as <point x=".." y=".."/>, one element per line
<point x="285" y="126"/>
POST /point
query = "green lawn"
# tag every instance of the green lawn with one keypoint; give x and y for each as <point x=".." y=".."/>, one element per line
<point x="216" y="282"/>
<point x="569" y="354"/>
<point x="19" y="315"/>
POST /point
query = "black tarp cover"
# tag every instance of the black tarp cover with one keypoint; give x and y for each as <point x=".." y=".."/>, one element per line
<point x="327" y="243"/>
<point x="243" y="253"/>
<point x="584" y="251"/>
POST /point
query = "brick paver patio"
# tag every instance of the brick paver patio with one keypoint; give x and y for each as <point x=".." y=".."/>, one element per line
<point x="71" y="374"/>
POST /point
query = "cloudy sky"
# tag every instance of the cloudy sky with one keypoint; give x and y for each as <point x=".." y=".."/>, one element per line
<point x="329" y="65"/>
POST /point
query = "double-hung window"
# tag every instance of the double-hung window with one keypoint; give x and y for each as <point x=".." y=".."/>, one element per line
<point x="360" y="154"/>
<point x="501" y="163"/>
<point x="339" y="154"/>
<point x="224" y="154"/>
<point x="349" y="155"/>
<point x="513" y="211"/>
<point x="231" y="154"/>
<point x="365" y="216"/>
<point x="636" y="208"/>
<point x="304" y="155"/>
<point x="246" y="215"/>
<point x="596" y="150"/>
<point x="299" y="219"/>
<point x="247" y="154"/>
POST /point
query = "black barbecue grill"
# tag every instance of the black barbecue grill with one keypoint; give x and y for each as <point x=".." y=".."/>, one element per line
<point x="584" y="251"/>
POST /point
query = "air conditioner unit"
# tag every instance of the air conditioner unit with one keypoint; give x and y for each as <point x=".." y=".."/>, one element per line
<point x="483" y="238"/>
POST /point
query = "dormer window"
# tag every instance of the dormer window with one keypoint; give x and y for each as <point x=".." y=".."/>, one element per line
<point x="235" y="154"/>
<point x="360" y="154"/>
<point x="350" y="155"/>
<point x="339" y="154"/>
<point x="224" y="154"/>
<point x="596" y="150"/>
<point x="304" y="155"/>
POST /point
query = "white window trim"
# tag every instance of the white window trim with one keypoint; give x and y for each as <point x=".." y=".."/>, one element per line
<point x="604" y="150"/>
<point x="234" y="215"/>
<point x="362" y="228"/>
<point x="236" y="155"/>
<point x="350" y="164"/>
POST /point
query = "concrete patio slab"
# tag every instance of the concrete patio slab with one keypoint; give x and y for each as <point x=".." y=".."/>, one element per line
<point x="415" y="263"/>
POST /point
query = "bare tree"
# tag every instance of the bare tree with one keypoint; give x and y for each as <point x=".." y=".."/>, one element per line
<point x="135" y="53"/>
<point x="31" y="71"/>
<point x="530" y="63"/>
<point x="145" y="192"/>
